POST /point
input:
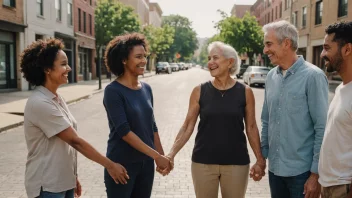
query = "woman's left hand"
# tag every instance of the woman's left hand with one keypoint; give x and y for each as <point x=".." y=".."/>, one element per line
<point x="78" y="189"/>
<point x="257" y="171"/>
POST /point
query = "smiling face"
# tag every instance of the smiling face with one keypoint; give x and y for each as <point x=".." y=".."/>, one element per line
<point x="273" y="48"/>
<point x="58" y="75"/>
<point x="137" y="60"/>
<point x="218" y="65"/>
<point x="331" y="54"/>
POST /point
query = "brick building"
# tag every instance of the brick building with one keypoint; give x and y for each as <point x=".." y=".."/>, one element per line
<point x="140" y="7"/>
<point x="257" y="9"/>
<point x="85" y="39"/>
<point x="240" y="10"/>
<point x="155" y="14"/>
<point x="12" y="26"/>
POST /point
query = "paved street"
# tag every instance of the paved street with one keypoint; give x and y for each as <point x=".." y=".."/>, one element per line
<point x="171" y="95"/>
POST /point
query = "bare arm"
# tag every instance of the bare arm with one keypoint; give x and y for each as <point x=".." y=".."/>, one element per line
<point x="251" y="126"/>
<point x="188" y="126"/>
<point x="157" y="143"/>
<point x="117" y="172"/>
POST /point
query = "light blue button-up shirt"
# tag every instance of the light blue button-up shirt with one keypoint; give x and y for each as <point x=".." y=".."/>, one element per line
<point x="293" y="118"/>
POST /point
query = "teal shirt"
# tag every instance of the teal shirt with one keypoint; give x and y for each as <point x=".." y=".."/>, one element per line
<point x="293" y="118"/>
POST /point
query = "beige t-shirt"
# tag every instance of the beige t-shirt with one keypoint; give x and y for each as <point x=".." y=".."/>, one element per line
<point x="335" y="163"/>
<point x="51" y="162"/>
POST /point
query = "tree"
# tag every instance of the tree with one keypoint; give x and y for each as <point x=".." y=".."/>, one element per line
<point x="185" y="40"/>
<point x="113" y="19"/>
<point x="160" y="40"/>
<point x="245" y="34"/>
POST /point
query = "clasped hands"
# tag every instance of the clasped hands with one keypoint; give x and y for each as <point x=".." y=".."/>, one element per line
<point x="165" y="164"/>
<point x="257" y="171"/>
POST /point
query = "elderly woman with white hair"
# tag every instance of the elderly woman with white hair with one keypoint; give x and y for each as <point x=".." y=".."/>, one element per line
<point x="220" y="154"/>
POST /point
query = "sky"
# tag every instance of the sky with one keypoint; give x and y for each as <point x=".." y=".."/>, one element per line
<point x="202" y="13"/>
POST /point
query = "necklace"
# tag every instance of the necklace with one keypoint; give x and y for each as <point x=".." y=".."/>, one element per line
<point x="222" y="91"/>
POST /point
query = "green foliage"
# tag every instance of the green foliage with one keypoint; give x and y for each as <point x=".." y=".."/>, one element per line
<point x="185" y="38"/>
<point x="245" y="34"/>
<point x="113" y="19"/>
<point x="160" y="39"/>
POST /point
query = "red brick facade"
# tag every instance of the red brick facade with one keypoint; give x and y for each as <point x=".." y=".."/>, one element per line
<point x="85" y="34"/>
<point x="13" y="15"/>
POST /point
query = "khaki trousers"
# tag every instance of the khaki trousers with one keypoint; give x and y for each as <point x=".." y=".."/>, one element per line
<point x="233" y="180"/>
<point x="340" y="191"/>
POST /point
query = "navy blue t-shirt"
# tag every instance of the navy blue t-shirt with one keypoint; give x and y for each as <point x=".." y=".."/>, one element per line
<point x="129" y="110"/>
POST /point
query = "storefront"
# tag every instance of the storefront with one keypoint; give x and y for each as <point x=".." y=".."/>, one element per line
<point x="7" y="60"/>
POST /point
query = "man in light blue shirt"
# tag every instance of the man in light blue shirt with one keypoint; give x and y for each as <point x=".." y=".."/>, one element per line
<point x="293" y="116"/>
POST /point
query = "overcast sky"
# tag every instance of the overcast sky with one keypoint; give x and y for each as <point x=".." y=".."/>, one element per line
<point x="202" y="13"/>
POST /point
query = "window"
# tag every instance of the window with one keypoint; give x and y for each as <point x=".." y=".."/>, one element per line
<point x="276" y="12"/>
<point x="79" y="20"/>
<point x="58" y="9"/>
<point x="9" y="3"/>
<point x="69" y="14"/>
<point x="280" y="9"/>
<point x="287" y="4"/>
<point x="90" y="24"/>
<point x="342" y="8"/>
<point x="304" y="17"/>
<point x="318" y="12"/>
<point x="90" y="2"/>
<point x="84" y="22"/>
<point x="272" y="14"/>
<point x="40" y="7"/>
<point x="294" y="18"/>
<point x="269" y="17"/>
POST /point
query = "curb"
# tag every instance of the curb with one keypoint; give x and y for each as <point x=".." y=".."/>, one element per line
<point x="71" y="102"/>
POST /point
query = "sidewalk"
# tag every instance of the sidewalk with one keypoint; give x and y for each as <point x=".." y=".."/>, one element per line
<point x="12" y="104"/>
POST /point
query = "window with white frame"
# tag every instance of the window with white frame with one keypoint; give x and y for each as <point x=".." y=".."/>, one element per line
<point x="58" y="9"/>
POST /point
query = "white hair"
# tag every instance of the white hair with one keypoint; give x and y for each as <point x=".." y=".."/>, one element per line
<point x="228" y="52"/>
<point x="283" y="29"/>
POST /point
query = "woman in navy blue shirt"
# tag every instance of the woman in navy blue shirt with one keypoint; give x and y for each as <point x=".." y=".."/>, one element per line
<point x="133" y="141"/>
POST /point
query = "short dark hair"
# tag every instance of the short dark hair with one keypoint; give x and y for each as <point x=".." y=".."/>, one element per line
<point x="37" y="58"/>
<point x="118" y="50"/>
<point x="343" y="32"/>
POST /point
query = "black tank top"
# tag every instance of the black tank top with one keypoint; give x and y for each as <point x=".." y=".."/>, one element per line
<point x="220" y="138"/>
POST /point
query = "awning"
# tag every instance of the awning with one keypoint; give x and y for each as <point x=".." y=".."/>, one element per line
<point x="11" y="27"/>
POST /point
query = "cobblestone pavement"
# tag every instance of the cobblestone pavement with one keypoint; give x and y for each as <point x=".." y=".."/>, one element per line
<point x="171" y="95"/>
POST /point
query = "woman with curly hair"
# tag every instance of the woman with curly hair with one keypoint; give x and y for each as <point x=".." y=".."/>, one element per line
<point x="50" y="128"/>
<point x="133" y="141"/>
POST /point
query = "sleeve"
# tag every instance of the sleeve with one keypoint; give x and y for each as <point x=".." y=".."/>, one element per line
<point x="155" y="128"/>
<point x="318" y="90"/>
<point x="49" y="118"/>
<point x="115" y="109"/>
<point x="265" y="121"/>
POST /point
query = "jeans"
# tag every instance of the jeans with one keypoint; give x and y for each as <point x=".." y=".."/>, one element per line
<point x="288" y="187"/>
<point x="139" y="185"/>
<point x="65" y="194"/>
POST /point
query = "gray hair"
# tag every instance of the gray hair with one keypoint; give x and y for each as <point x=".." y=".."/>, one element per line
<point x="284" y="29"/>
<point x="228" y="52"/>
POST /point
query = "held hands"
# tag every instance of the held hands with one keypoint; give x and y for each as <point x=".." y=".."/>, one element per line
<point x="118" y="173"/>
<point x="164" y="164"/>
<point x="257" y="171"/>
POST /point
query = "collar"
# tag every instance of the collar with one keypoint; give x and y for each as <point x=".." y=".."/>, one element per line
<point x="294" y="67"/>
<point x="46" y="92"/>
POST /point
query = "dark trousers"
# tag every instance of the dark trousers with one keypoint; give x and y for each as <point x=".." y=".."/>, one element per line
<point x="287" y="187"/>
<point x="139" y="185"/>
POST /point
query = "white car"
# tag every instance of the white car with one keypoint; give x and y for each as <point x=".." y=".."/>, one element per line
<point x="255" y="75"/>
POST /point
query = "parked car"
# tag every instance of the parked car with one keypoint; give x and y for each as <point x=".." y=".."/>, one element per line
<point x="174" y="67"/>
<point x="163" y="67"/>
<point x="243" y="68"/>
<point x="181" y="65"/>
<point x="255" y="75"/>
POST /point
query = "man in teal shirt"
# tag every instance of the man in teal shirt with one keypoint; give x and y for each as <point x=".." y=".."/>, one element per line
<point x="293" y="116"/>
